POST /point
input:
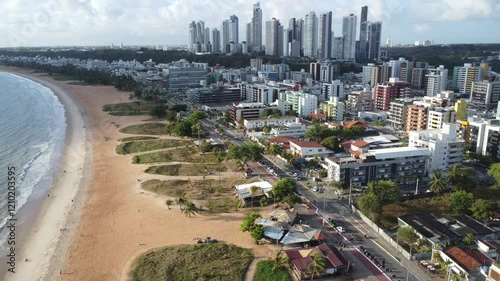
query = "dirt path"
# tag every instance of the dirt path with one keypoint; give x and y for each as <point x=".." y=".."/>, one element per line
<point x="251" y="269"/>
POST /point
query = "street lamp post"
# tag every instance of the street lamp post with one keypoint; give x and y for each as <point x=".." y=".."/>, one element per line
<point x="416" y="188"/>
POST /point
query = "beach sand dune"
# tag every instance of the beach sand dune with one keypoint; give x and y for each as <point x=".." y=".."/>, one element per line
<point x="114" y="216"/>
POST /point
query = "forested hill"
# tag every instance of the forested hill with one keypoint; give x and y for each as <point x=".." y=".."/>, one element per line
<point x="449" y="55"/>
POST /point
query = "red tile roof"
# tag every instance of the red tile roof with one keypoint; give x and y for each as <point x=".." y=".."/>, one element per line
<point x="281" y="139"/>
<point x="333" y="257"/>
<point x="466" y="258"/>
<point x="317" y="115"/>
<point x="360" y="143"/>
<point x="356" y="123"/>
<point x="307" y="144"/>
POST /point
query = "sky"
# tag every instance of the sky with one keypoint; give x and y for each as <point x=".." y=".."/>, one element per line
<point x="166" y="22"/>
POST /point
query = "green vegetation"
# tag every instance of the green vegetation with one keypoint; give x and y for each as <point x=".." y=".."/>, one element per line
<point x="144" y="129"/>
<point x="188" y="127"/>
<point x="248" y="224"/>
<point x="130" y="108"/>
<point x="460" y="202"/>
<point x="244" y="153"/>
<point x="439" y="205"/>
<point x="184" y="169"/>
<point x="285" y="190"/>
<point x="140" y="146"/>
<point x="407" y="235"/>
<point x="216" y="196"/>
<point x="448" y="55"/>
<point x="370" y="206"/>
<point x="264" y="272"/>
<point x="184" y="154"/>
<point x="139" y="138"/>
<point x="494" y="171"/>
<point x="192" y="262"/>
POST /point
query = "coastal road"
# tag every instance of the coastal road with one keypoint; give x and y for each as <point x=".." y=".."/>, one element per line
<point x="339" y="211"/>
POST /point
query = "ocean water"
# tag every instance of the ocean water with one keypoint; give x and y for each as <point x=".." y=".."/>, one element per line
<point x="32" y="134"/>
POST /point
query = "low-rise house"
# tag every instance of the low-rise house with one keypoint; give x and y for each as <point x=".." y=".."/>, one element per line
<point x="301" y="235"/>
<point x="490" y="248"/>
<point x="251" y="193"/>
<point x="277" y="223"/>
<point x="494" y="273"/>
<point x="469" y="264"/>
<point x="335" y="262"/>
<point x="442" y="231"/>
<point x="305" y="149"/>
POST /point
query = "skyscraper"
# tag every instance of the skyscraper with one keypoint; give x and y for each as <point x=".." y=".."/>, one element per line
<point x="311" y="35"/>
<point x="233" y="29"/>
<point x="256" y="29"/>
<point x="225" y="36"/>
<point x="374" y="40"/>
<point x="349" y="34"/>
<point x="215" y="40"/>
<point x="338" y="47"/>
<point x="363" y="34"/>
<point x="200" y="30"/>
<point x="274" y="35"/>
<point x="325" y="35"/>
<point x="192" y="36"/>
<point x="249" y="36"/>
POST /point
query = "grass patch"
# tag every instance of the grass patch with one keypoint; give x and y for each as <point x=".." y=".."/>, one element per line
<point x="144" y="129"/>
<point x="192" y="262"/>
<point x="182" y="154"/>
<point x="129" y="108"/>
<point x="140" y="146"/>
<point x="186" y="169"/>
<point x="139" y="138"/>
<point x="491" y="194"/>
<point x="196" y="190"/>
<point x="224" y="204"/>
<point x="439" y="206"/>
<point x="264" y="272"/>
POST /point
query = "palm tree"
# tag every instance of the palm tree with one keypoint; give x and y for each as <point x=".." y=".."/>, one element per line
<point x="169" y="203"/>
<point x="220" y="157"/>
<point x="273" y="149"/>
<point x="182" y="200"/>
<point x="437" y="183"/>
<point x="279" y="261"/>
<point x="317" y="266"/>
<point x="190" y="209"/>
<point x="454" y="175"/>
<point x="253" y="189"/>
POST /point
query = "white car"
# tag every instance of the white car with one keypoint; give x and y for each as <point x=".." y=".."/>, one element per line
<point x="315" y="189"/>
<point x="340" y="229"/>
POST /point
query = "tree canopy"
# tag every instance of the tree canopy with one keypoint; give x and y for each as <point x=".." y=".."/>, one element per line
<point x="248" y="152"/>
<point x="371" y="206"/>
<point x="461" y="201"/>
<point x="386" y="191"/>
<point x="494" y="171"/>
<point x="284" y="187"/>
<point x="481" y="209"/>
<point x="407" y="235"/>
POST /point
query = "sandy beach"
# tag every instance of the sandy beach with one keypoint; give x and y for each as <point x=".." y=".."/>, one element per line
<point x="100" y="242"/>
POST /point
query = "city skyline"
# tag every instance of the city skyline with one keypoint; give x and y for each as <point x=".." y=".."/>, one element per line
<point x="103" y="22"/>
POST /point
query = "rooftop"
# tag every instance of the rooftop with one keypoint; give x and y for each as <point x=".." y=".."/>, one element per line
<point x="466" y="258"/>
<point x="281" y="139"/>
<point x="306" y="144"/>
<point x="398" y="152"/>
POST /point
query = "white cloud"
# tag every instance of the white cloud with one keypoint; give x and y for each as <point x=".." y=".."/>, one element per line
<point x="453" y="10"/>
<point x="421" y="28"/>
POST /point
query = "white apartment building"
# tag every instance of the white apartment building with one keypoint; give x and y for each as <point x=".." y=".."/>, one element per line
<point x="366" y="77"/>
<point x="291" y="129"/>
<point x="400" y="164"/>
<point x="438" y="115"/>
<point x="257" y="124"/>
<point x="302" y="103"/>
<point x="485" y="94"/>
<point x="334" y="108"/>
<point x="436" y="80"/>
<point x="445" y="148"/>
<point x="333" y="89"/>
<point x="306" y="149"/>
<point x="463" y="76"/>
<point x="359" y="101"/>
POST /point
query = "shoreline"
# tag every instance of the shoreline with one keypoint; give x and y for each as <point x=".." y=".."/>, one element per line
<point x="117" y="213"/>
<point x="45" y="245"/>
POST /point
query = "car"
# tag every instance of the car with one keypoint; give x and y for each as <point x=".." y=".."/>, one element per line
<point x="340" y="229"/>
<point x="315" y="189"/>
